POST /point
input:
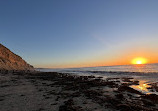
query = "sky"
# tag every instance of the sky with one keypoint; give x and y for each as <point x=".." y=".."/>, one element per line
<point x="80" y="33"/>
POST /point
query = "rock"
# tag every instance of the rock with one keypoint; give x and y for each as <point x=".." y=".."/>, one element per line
<point x="69" y="106"/>
<point x="119" y="96"/>
<point x="12" y="62"/>
<point x="124" y="107"/>
<point x="147" y="103"/>
<point x="128" y="89"/>
<point x="151" y="97"/>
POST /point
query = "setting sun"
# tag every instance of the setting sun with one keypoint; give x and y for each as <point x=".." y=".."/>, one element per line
<point x="139" y="61"/>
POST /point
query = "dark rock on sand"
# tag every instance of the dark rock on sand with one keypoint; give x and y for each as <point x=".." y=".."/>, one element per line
<point x="128" y="89"/>
<point x="124" y="107"/>
<point x="119" y="96"/>
<point x="69" y="106"/>
<point x="151" y="97"/>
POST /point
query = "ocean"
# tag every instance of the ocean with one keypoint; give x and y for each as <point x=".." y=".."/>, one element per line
<point x="141" y="70"/>
<point x="144" y="68"/>
<point x="145" y="74"/>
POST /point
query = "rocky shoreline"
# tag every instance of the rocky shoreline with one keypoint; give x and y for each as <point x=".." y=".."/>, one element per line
<point x="52" y="91"/>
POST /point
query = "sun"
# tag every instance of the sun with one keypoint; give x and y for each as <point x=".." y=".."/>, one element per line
<point x="139" y="61"/>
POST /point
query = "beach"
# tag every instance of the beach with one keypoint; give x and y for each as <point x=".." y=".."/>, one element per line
<point x="52" y="91"/>
<point x="78" y="55"/>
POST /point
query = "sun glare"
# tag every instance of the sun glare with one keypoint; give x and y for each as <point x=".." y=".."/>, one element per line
<point x="139" y="61"/>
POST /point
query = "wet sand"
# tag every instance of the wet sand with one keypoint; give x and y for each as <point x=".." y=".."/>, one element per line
<point x="51" y="91"/>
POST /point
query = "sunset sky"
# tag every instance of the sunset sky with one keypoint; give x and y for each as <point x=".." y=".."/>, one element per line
<point x="80" y="33"/>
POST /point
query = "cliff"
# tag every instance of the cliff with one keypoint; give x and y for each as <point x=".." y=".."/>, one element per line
<point x="11" y="61"/>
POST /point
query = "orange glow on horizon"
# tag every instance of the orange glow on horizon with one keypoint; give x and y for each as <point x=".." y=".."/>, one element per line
<point x="139" y="61"/>
<point x="127" y="58"/>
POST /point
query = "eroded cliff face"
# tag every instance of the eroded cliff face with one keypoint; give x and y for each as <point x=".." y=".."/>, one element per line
<point x="11" y="61"/>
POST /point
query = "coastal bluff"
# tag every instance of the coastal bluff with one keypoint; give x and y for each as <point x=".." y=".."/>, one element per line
<point x="12" y="62"/>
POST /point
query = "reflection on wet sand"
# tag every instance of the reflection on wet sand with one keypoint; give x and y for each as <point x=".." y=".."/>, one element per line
<point x="145" y="87"/>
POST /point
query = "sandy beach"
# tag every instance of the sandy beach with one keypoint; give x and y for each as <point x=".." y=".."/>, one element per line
<point x="51" y="91"/>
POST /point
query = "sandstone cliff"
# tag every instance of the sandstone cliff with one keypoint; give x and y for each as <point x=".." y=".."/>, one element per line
<point x="11" y="61"/>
